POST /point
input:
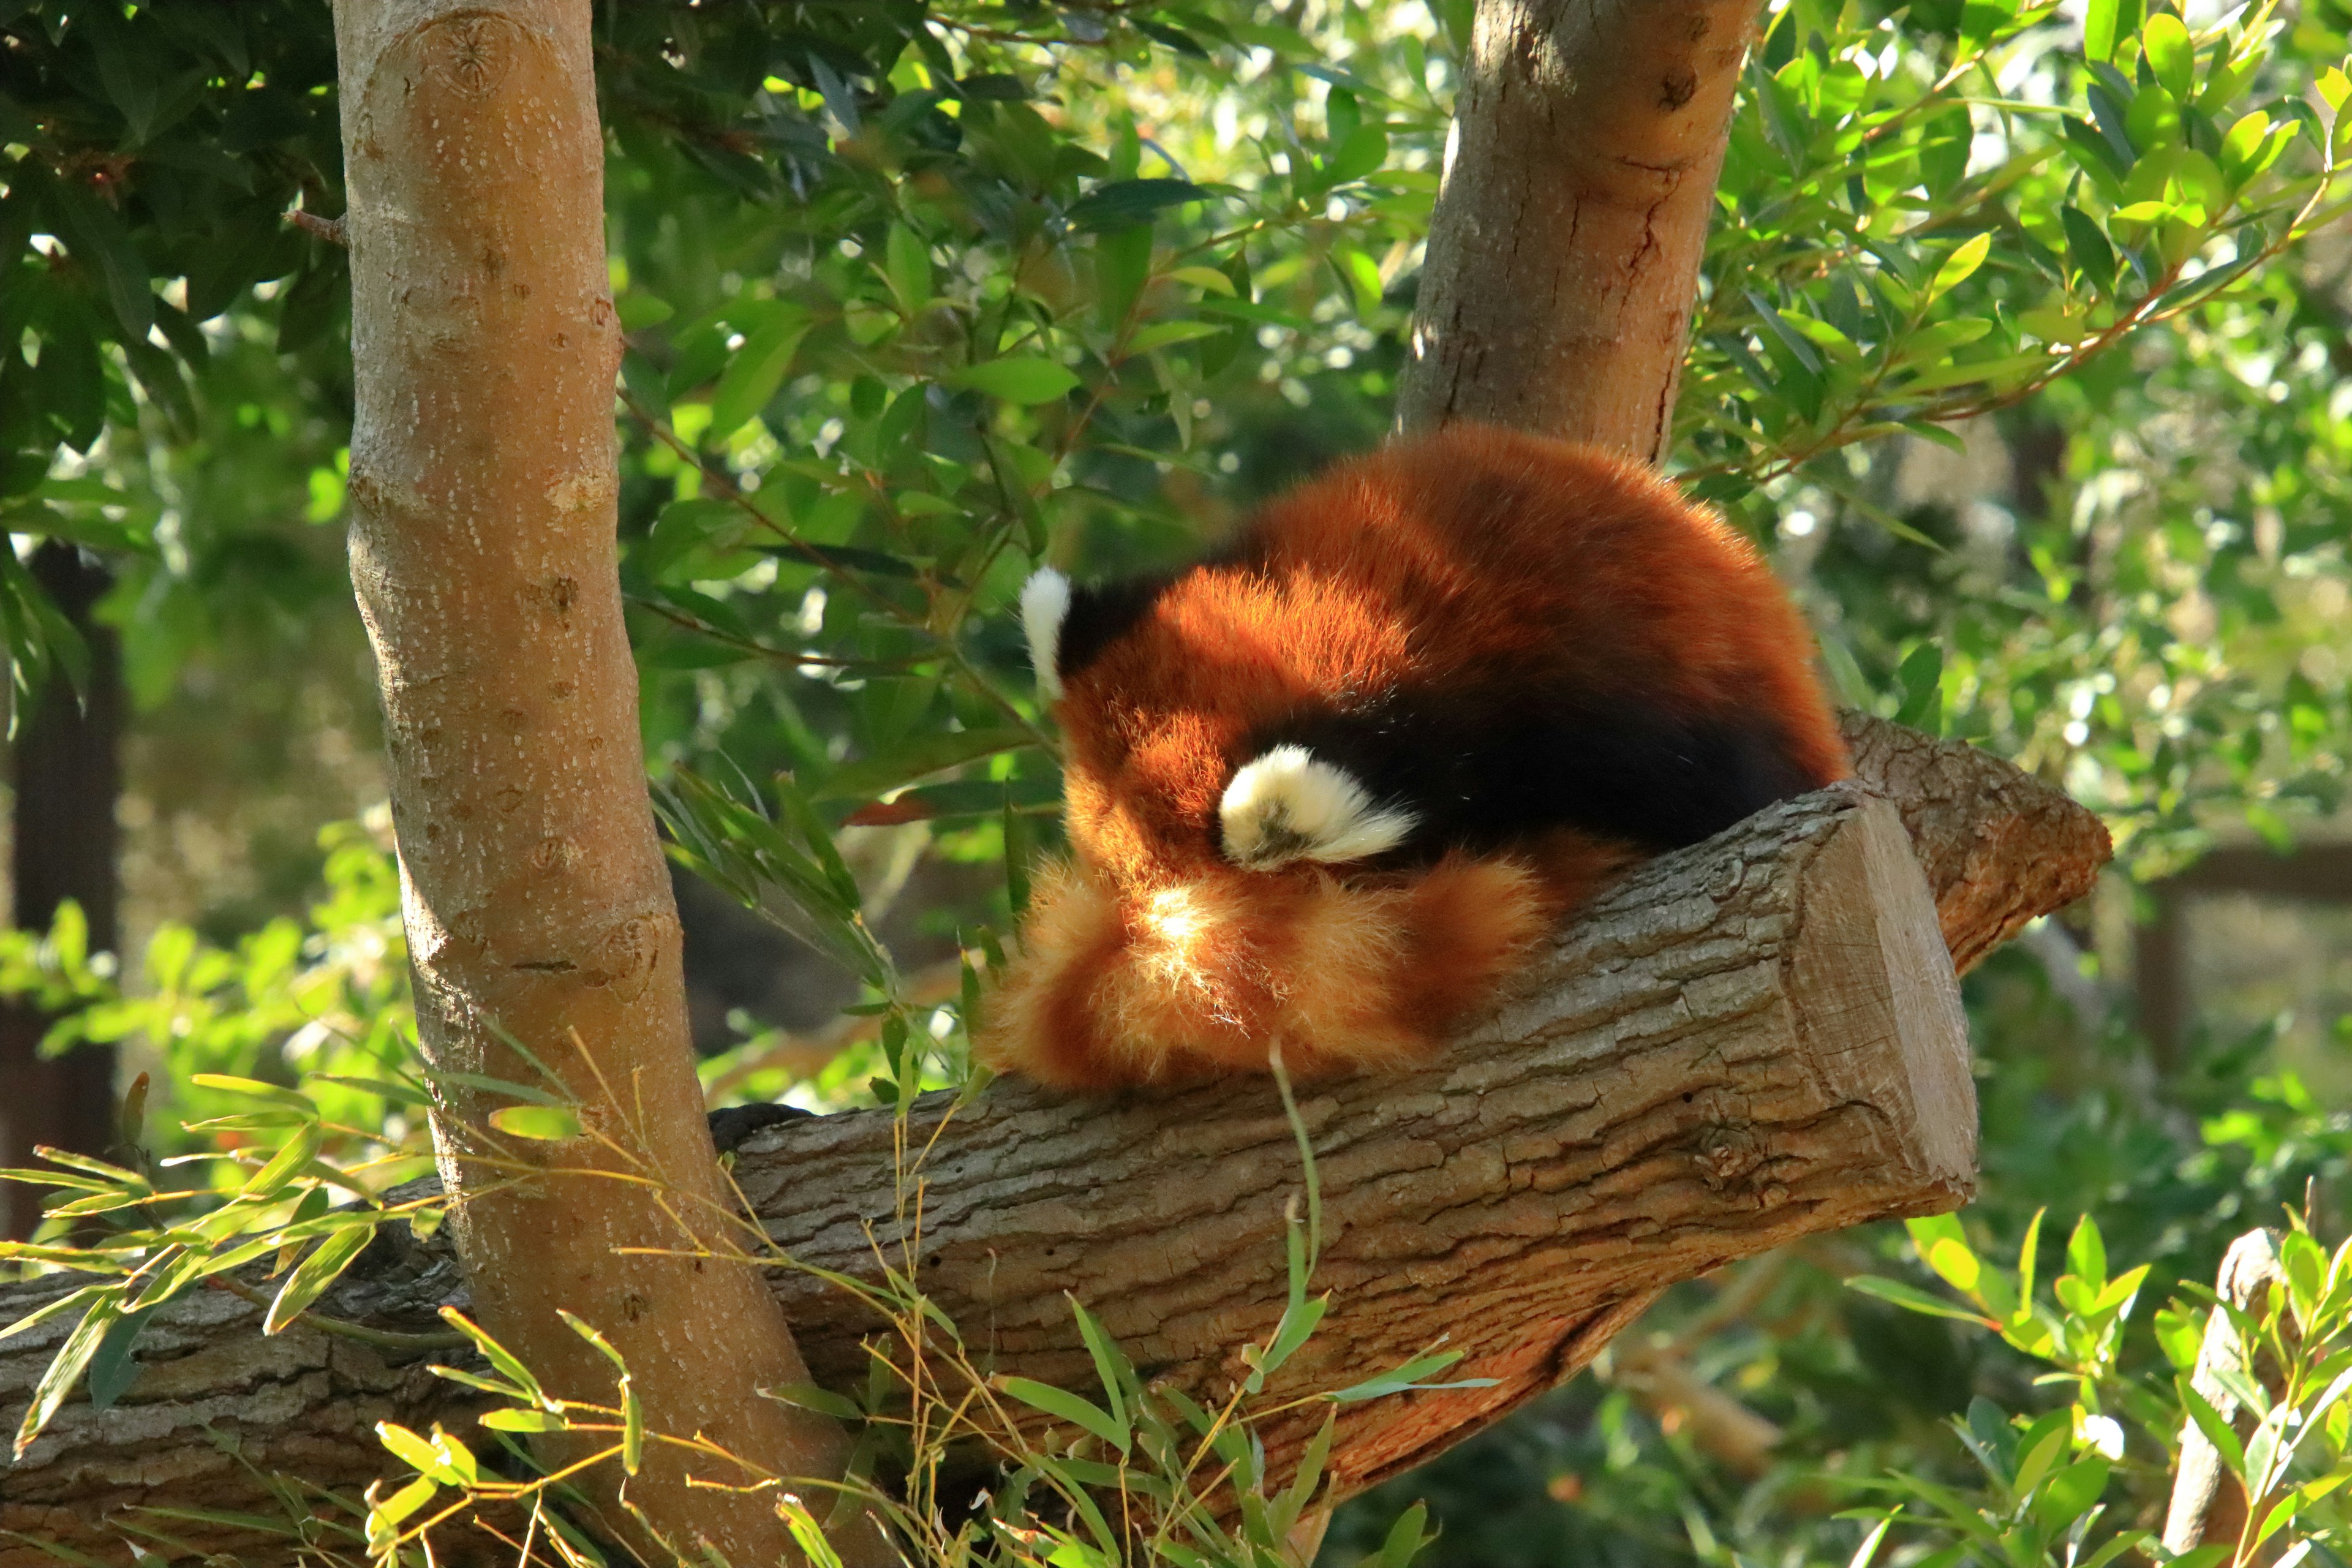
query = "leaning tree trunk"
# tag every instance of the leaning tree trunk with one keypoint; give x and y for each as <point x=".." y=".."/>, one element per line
<point x="1752" y="1040"/>
<point x="483" y="490"/>
<point x="1563" y="256"/>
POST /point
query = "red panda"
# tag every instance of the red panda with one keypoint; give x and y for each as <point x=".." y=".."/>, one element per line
<point x="1328" y="785"/>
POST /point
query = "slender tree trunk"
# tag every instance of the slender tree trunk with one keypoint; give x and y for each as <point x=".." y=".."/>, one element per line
<point x="1563" y="255"/>
<point x="66" y="845"/>
<point x="539" y="918"/>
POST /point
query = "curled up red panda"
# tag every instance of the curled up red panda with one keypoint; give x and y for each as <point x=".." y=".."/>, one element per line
<point x="1328" y="785"/>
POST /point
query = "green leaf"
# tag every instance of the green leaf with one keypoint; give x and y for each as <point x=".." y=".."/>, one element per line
<point x="2086" y="1254"/>
<point x="907" y="266"/>
<point x="2087" y="243"/>
<point x="755" y="372"/>
<point x="2210" y="1421"/>
<point x="1960" y="265"/>
<point x="1161" y="334"/>
<point x="523" y="1421"/>
<point x="2102" y="25"/>
<point x="1123" y="203"/>
<point x="408" y="1448"/>
<point x="1111" y="1364"/>
<point x="1921" y="678"/>
<point x="1067" y="1406"/>
<point x="539" y="1123"/>
<point x="926" y="752"/>
<point x="290" y="1098"/>
<point x="822" y="1401"/>
<point x="505" y="1360"/>
<point x="1298" y="1322"/>
<point x="1913" y="1300"/>
<point x="2171" y="55"/>
<point x="325" y="1264"/>
<point x="1405" y="1539"/>
<point x="1362" y="152"/>
<point x="97" y="236"/>
<point x="1017" y="378"/>
<point x="683" y="527"/>
<point x="1414" y="1374"/>
<point x="290" y="1162"/>
<point x="112" y="1369"/>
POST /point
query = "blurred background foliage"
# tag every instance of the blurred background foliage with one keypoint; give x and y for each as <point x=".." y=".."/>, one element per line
<point x="2021" y="346"/>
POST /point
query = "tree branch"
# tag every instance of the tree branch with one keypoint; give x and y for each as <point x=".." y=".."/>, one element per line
<point x="1747" y="1042"/>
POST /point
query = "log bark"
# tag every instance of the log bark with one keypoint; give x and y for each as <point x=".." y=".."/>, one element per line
<point x="1564" y="250"/>
<point x="1748" y="1041"/>
<point x="540" y="924"/>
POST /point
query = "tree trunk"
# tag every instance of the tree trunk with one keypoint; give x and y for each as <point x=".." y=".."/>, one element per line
<point x="1748" y="1041"/>
<point x="1563" y="255"/>
<point x="539" y="918"/>
<point x="66" y="845"/>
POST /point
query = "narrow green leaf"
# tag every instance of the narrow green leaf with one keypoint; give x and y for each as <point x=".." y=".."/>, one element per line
<point x="112" y="1370"/>
<point x="1064" y="1405"/>
<point x="1299" y="1321"/>
<point x="632" y="1427"/>
<point x="523" y="1421"/>
<point x="1901" y="1295"/>
<point x="1017" y="378"/>
<point x="906" y="265"/>
<point x="2087" y="244"/>
<point x="2210" y="1421"/>
<point x="2086" y="1254"/>
<point x="505" y="1360"/>
<point x="1960" y="265"/>
<point x="286" y="1164"/>
<point x="325" y="1264"/>
<point x="809" y="1397"/>
<point x="1110" y="1363"/>
<point x="756" y="371"/>
<point x="921" y="753"/>
<point x="408" y="1448"/>
<point x="541" y="1123"/>
<point x="1123" y="203"/>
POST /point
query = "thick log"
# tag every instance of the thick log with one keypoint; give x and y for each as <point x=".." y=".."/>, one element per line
<point x="1743" y="1044"/>
<point x="1746" y="1042"/>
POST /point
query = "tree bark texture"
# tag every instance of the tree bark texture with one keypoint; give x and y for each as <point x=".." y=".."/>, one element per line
<point x="538" y="912"/>
<point x="1564" y="251"/>
<point x="66" y="844"/>
<point x="2208" y="1504"/>
<point x="1748" y="1041"/>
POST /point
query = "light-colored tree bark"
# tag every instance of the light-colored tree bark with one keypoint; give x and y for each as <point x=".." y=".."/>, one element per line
<point x="1751" y="1040"/>
<point x="544" y="941"/>
<point x="1580" y="178"/>
<point x="2208" y="1504"/>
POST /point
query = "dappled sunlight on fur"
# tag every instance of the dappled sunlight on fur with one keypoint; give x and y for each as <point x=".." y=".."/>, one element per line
<point x="1202" y="977"/>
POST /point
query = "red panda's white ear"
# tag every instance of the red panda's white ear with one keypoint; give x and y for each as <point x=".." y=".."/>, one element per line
<point x="1290" y="805"/>
<point x="1045" y="606"/>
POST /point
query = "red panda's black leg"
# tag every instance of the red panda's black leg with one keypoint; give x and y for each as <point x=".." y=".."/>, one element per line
<point x="1483" y="770"/>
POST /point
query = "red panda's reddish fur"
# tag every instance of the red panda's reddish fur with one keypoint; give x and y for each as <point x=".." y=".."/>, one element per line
<point x="1473" y="557"/>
